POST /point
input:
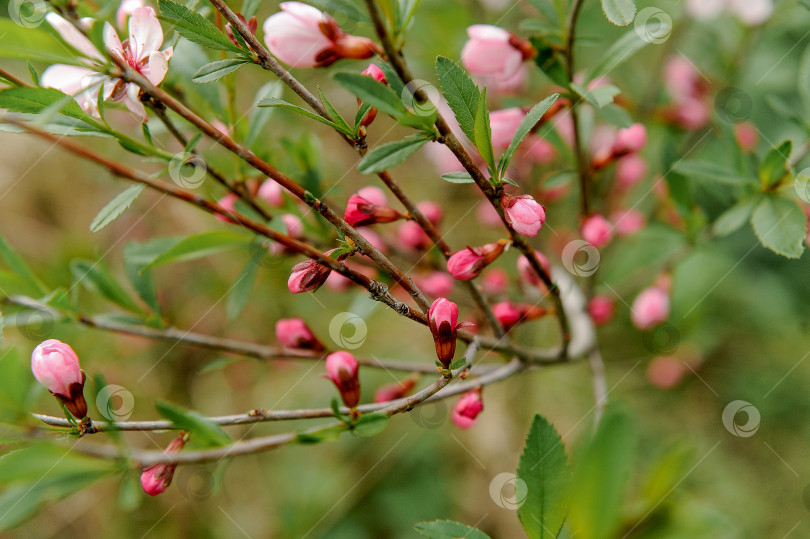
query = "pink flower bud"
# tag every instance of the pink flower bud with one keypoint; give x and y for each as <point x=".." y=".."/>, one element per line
<point x="511" y="314"/>
<point x="495" y="281"/>
<point x="377" y="74"/>
<point x="601" y="309"/>
<point x="666" y="372"/>
<point x="682" y="79"/>
<point x="470" y="262"/>
<point x="302" y="36"/>
<point x="628" y="222"/>
<point x="307" y="276"/>
<point x="294" y="333"/>
<point x="361" y="211"/>
<point x="156" y="479"/>
<point x="650" y="308"/>
<point x="227" y="203"/>
<point x="630" y="140"/>
<point x="437" y="284"/>
<point x="691" y="114"/>
<point x="252" y="26"/>
<point x="494" y="53"/>
<point x="411" y="235"/>
<point x="466" y="410"/>
<point x="596" y="230"/>
<point x="747" y="136"/>
<point x="526" y="271"/>
<point x="524" y="214"/>
<point x="270" y="192"/>
<point x="341" y="368"/>
<point x="504" y="124"/>
<point x="630" y="170"/>
<point x="394" y="391"/>
<point x="56" y="366"/>
<point x="443" y="322"/>
<point x="373" y="194"/>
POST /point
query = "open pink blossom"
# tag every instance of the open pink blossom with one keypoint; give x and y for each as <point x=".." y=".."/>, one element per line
<point x="303" y="36"/>
<point x="494" y="53"/>
<point x="125" y="11"/>
<point x="466" y="410"/>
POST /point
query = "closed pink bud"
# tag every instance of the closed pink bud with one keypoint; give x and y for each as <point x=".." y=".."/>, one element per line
<point x="504" y="124"/>
<point x="377" y="74"/>
<point x="227" y="203"/>
<point x="56" y="366"/>
<point x="270" y="192"/>
<point x="628" y="222"/>
<point x="302" y="36"/>
<point x="511" y="314"/>
<point x="747" y="136"/>
<point x="156" y="479"/>
<point x="307" y="276"/>
<point x="630" y="170"/>
<point x="252" y="26"/>
<point x="394" y="391"/>
<point x="443" y="323"/>
<point x="666" y="372"/>
<point x="601" y="309"/>
<point x="691" y="114"/>
<point x="495" y="281"/>
<point x="466" y="410"/>
<point x="341" y="368"/>
<point x="682" y="79"/>
<point x="436" y="285"/>
<point x="526" y="271"/>
<point x="294" y="333"/>
<point x="524" y="214"/>
<point x="597" y="231"/>
<point x="493" y="52"/>
<point x="650" y="308"/>
<point x="630" y="140"/>
<point x="361" y="211"/>
<point x="373" y="194"/>
<point x="411" y="235"/>
<point x="470" y="262"/>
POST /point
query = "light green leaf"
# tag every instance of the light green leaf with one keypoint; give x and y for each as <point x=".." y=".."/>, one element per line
<point x="544" y="469"/>
<point x="448" y="529"/>
<point x="598" y="97"/>
<point x="342" y="124"/>
<point x="619" y="12"/>
<point x="97" y="279"/>
<point x="460" y="92"/>
<point x="276" y="102"/>
<point x="388" y="155"/>
<point x="526" y="126"/>
<point x="458" y="177"/>
<point x="376" y="94"/>
<point x="732" y="219"/>
<point x="258" y="117"/>
<point x="774" y="166"/>
<point x="17" y="265"/>
<point x="216" y="70"/>
<point x="483" y="132"/>
<point x="37" y="100"/>
<point x="116" y="207"/>
<point x="240" y="291"/>
<point x="36" y="44"/>
<point x="781" y="226"/>
<point x="203" y="432"/>
<point x="369" y="425"/>
<point x="194" y="27"/>
<point x="709" y="171"/>
<point x="615" y="115"/>
<point x="199" y="246"/>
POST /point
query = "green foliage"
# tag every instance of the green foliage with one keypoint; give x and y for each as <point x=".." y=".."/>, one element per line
<point x="460" y="92"/>
<point x="447" y="529"/>
<point x="239" y="293"/>
<point x="36" y="44"/>
<point x="204" y="433"/>
<point x="623" y="49"/>
<point x="386" y="156"/>
<point x="216" y="70"/>
<point x="458" y="177"/>
<point x="527" y="125"/>
<point x="368" y="425"/>
<point x="194" y="27"/>
<point x="775" y="165"/>
<point x="98" y="280"/>
<point x="277" y="102"/>
<point x="619" y="12"/>
<point x="483" y="132"/>
<point x="198" y="246"/>
<point x="116" y="207"/>
<point x="781" y="226"/>
<point x="384" y="99"/>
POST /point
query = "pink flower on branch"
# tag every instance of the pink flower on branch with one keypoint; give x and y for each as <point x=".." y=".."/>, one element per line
<point x="156" y="479"/>
<point x="524" y="214"/>
<point x="294" y="333"/>
<point x="470" y="262"/>
<point x="56" y="366"/>
<point x="465" y="412"/>
<point x="341" y="368"/>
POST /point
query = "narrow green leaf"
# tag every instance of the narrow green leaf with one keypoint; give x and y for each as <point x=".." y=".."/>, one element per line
<point x="388" y="155"/>
<point x="526" y="126"/>
<point x="598" y="97"/>
<point x="774" y="166"/>
<point x="240" y="291"/>
<point x="709" y="171"/>
<point x="344" y="127"/>
<point x="544" y="468"/>
<point x="622" y="50"/>
<point x="448" y="529"/>
<point x="369" y="425"/>
<point x="35" y="44"/>
<point x="460" y="92"/>
<point x="216" y="70"/>
<point x="735" y="217"/>
<point x="203" y="431"/>
<point x="392" y="78"/>
<point x="781" y="226"/>
<point x="483" y="131"/>
<point x="37" y="100"/>
<point x="276" y="102"/>
<point x="16" y="264"/>
<point x="615" y="115"/>
<point x="619" y="12"/>
<point x="258" y="117"/>
<point x="116" y="207"/>
<point x="194" y="27"/>
<point x="458" y="177"/>
<point x="97" y="279"/>
<point x="376" y="94"/>
<point x="199" y="246"/>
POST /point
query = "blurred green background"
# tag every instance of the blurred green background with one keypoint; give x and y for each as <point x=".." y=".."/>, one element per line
<point x="739" y="316"/>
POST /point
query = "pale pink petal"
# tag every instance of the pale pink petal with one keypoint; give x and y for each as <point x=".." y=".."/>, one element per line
<point x="295" y="40"/>
<point x="488" y="31"/>
<point x="125" y="10"/>
<point x="112" y="41"/>
<point x="73" y="37"/>
<point x="157" y="66"/>
<point x="133" y="103"/>
<point x="145" y="33"/>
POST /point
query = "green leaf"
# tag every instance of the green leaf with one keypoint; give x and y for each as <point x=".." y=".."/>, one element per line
<point x="548" y="10"/>
<point x="619" y="12"/>
<point x="325" y="434"/>
<point x="458" y="177"/>
<point x="732" y="219"/>
<point x="774" y="166"/>
<point x="258" y="117"/>
<point x="448" y="529"/>
<point x="601" y="476"/>
<point x="368" y="425"/>
<point x="98" y="280"/>
<point x="598" y="97"/>
<point x="194" y="27"/>
<point x="116" y="207"/>
<point x="203" y="432"/>
<point x="240" y="291"/>
<point x="15" y="382"/>
<point x="781" y="226"/>
<point x="216" y="70"/>
<point x="803" y="78"/>
<point x="615" y="115"/>
<point x="343" y="126"/>
<point x="392" y="78"/>
<point x="389" y="155"/>
<point x="37" y="100"/>
<point x="460" y="92"/>
<point x="544" y="468"/>
<point x="483" y="131"/>
<point x="376" y="94"/>
<point x="526" y="126"/>
<point x="16" y="264"/>
<point x="199" y="246"/>
<point x="136" y="256"/>
<point x="709" y="171"/>
<point x="276" y="102"/>
<point x="36" y="44"/>
<point x="622" y="50"/>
